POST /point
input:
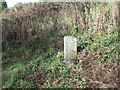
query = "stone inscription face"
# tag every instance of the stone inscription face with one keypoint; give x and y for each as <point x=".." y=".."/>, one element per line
<point x="70" y="48"/>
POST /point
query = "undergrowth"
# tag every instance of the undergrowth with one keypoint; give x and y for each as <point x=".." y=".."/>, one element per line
<point x="20" y="65"/>
<point x="36" y="59"/>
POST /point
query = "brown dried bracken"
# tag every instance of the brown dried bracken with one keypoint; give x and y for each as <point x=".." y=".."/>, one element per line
<point x="99" y="74"/>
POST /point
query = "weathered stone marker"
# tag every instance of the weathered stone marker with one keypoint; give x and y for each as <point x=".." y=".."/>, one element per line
<point x="70" y="48"/>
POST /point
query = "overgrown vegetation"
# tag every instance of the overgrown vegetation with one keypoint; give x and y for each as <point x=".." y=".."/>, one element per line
<point x="32" y="45"/>
<point x="3" y="5"/>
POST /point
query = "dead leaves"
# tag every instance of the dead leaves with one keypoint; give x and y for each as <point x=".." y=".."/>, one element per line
<point x="99" y="74"/>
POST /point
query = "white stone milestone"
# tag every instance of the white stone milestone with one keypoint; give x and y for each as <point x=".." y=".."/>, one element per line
<point x="70" y="48"/>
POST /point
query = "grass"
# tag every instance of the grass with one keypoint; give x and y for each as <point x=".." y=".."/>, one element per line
<point x="18" y="70"/>
<point x="39" y="62"/>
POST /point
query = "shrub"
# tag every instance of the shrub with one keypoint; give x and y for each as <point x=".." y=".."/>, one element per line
<point x="3" y="5"/>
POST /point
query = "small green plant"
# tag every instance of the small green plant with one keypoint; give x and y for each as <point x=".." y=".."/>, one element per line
<point x="26" y="84"/>
<point x="72" y="31"/>
<point x="83" y="84"/>
<point x="8" y="84"/>
<point x="61" y="86"/>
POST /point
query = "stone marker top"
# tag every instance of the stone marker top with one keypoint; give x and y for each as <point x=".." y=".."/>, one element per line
<point x="70" y="37"/>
